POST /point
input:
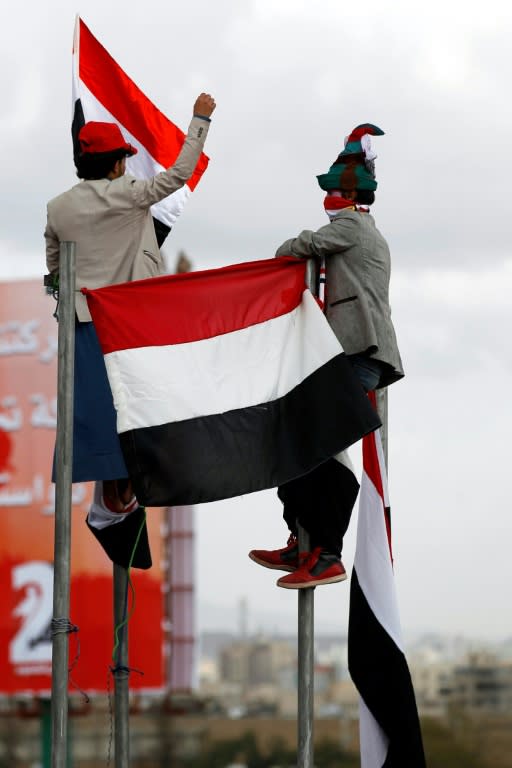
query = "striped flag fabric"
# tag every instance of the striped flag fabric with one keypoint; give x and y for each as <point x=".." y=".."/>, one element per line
<point x="221" y="380"/>
<point x="103" y="92"/>
<point x="390" y="733"/>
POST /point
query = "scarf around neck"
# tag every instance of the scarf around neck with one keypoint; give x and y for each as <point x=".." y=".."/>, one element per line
<point x="334" y="202"/>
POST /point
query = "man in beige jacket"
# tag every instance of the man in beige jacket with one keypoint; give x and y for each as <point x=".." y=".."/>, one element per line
<point x="108" y="216"/>
<point x="108" y="213"/>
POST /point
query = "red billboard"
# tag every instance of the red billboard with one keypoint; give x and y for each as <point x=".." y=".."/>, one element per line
<point x="28" y="385"/>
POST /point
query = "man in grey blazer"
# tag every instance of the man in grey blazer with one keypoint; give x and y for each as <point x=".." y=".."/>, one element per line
<point x="357" y="265"/>
<point x="108" y="216"/>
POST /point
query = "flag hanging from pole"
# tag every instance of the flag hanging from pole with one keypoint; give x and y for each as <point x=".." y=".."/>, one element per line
<point x="221" y="380"/>
<point x="390" y="733"/>
<point x="103" y="92"/>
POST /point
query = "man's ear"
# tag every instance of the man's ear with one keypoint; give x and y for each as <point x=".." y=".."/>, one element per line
<point x="119" y="168"/>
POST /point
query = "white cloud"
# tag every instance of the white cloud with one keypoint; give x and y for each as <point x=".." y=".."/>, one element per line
<point x="487" y="289"/>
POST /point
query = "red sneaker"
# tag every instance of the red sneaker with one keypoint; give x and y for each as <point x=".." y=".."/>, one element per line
<point x="285" y="559"/>
<point x="318" y="567"/>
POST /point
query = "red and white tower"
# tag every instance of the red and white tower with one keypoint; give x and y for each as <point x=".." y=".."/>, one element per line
<point x="180" y="604"/>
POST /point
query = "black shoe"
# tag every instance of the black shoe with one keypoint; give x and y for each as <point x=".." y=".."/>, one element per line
<point x="118" y="540"/>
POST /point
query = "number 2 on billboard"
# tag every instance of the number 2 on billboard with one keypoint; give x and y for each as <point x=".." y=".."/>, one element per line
<point x="32" y="642"/>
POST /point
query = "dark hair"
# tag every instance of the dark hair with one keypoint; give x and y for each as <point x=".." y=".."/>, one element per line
<point x="365" y="196"/>
<point x="97" y="165"/>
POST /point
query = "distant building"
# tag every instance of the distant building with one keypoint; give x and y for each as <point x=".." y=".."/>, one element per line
<point x="483" y="685"/>
<point x="255" y="662"/>
<point x="264" y="671"/>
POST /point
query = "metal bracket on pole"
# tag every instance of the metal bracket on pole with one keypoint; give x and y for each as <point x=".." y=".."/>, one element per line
<point x="382" y="410"/>
<point x="63" y="469"/>
<point x="121" y="671"/>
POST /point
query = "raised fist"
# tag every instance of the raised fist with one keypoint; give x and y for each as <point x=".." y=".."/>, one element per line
<point x="205" y="104"/>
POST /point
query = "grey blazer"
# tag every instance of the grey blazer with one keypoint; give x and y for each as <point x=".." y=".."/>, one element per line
<point x="111" y="223"/>
<point x="358" y="269"/>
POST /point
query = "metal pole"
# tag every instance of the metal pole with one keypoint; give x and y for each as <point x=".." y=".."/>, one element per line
<point x="62" y="545"/>
<point x="305" y="700"/>
<point x="306" y="631"/>
<point x="121" y="671"/>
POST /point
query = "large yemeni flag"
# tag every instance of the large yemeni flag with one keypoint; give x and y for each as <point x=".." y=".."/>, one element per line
<point x="225" y="381"/>
<point x="103" y="92"/>
<point x="390" y="734"/>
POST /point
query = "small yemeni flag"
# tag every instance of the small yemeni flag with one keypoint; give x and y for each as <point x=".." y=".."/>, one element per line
<point x="390" y="733"/>
<point x="103" y="92"/>
<point x="225" y="381"/>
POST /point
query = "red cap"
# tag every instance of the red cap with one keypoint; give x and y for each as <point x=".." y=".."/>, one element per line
<point x="103" y="137"/>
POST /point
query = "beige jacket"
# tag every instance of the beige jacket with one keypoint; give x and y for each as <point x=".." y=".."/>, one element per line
<point x="111" y="223"/>
<point x="358" y="268"/>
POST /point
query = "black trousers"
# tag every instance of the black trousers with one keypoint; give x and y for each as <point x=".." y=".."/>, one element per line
<point x="321" y="502"/>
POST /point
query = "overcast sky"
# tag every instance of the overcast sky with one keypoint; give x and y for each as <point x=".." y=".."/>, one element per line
<point x="291" y="79"/>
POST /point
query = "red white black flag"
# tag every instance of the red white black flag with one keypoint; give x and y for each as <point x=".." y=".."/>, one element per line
<point x="390" y="734"/>
<point x="103" y="92"/>
<point x="221" y="378"/>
